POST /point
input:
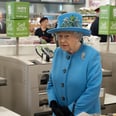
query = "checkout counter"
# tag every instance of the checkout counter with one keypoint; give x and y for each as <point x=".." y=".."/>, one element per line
<point x="25" y="92"/>
<point x="109" y="81"/>
<point x="26" y="76"/>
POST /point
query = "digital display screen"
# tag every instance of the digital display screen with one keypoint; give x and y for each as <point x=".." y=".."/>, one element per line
<point x="65" y="1"/>
<point x="55" y="0"/>
<point x="78" y="1"/>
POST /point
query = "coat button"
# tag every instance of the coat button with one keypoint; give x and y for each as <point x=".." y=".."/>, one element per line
<point x="62" y="84"/>
<point x="63" y="98"/>
<point x="64" y="70"/>
<point x="67" y="57"/>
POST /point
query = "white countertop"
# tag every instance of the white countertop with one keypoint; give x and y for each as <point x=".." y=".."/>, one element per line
<point x="109" y="99"/>
<point x="6" y="112"/>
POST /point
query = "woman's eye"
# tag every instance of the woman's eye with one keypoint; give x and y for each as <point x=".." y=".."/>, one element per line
<point x="59" y="36"/>
<point x="67" y="36"/>
<point x="63" y="36"/>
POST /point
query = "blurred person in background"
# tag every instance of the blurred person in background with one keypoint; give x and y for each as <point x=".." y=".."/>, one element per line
<point x="76" y="74"/>
<point x="42" y="33"/>
<point x="95" y="27"/>
<point x="2" y="24"/>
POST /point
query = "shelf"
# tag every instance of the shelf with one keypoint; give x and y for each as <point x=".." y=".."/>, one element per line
<point x="88" y="18"/>
<point x="89" y="15"/>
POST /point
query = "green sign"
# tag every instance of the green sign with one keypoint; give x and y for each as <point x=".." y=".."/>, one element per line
<point x="17" y="10"/>
<point x="17" y="19"/>
<point x="108" y="12"/>
<point x="107" y="27"/>
<point x="107" y="20"/>
<point x="17" y="28"/>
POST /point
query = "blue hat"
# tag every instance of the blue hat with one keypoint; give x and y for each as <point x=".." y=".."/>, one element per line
<point x="70" y="22"/>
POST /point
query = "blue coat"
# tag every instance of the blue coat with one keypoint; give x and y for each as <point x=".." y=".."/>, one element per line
<point x="76" y="79"/>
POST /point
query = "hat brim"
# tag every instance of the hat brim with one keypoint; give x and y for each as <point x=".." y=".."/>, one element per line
<point x="85" y="32"/>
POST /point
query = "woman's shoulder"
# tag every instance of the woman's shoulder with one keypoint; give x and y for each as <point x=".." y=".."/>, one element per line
<point x="90" y="49"/>
<point x="58" y="50"/>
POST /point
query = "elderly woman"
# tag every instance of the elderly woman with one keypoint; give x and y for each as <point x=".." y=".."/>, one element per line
<point x="76" y="76"/>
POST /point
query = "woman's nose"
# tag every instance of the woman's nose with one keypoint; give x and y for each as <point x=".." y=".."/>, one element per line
<point x="62" y="39"/>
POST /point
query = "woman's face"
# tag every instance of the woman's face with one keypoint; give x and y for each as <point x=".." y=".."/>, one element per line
<point x="69" y="41"/>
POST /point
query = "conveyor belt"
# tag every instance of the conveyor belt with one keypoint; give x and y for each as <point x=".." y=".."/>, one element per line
<point x="3" y="81"/>
<point x="106" y="72"/>
<point x="47" y="113"/>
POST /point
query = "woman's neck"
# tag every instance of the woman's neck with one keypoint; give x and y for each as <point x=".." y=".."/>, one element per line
<point x="75" y="49"/>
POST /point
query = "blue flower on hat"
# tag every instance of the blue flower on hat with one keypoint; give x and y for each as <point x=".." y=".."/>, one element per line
<point x="71" y="21"/>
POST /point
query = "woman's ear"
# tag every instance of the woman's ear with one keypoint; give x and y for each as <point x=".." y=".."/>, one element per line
<point x="81" y="40"/>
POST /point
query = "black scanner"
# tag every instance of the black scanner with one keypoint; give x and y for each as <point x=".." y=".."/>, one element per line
<point x="44" y="52"/>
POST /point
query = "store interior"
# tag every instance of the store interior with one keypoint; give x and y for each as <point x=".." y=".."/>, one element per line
<point x="24" y="73"/>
